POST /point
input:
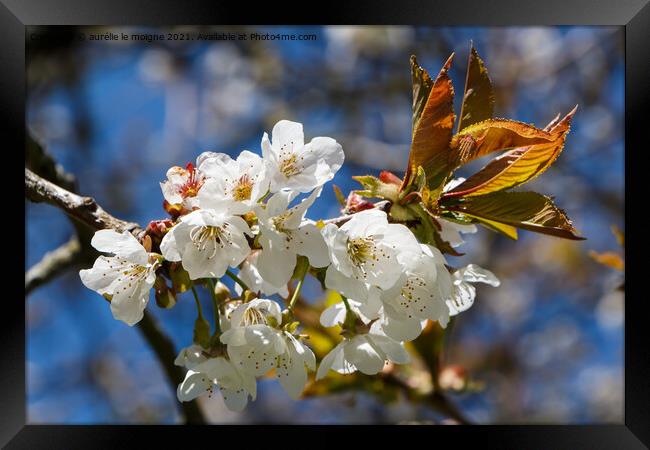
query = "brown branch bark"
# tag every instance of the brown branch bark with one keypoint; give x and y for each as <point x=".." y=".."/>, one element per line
<point x="53" y="263"/>
<point x="86" y="211"/>
<point x="164" y="349"/>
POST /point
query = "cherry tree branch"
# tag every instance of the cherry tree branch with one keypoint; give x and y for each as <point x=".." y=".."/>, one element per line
<point x="86" y="211"/>
<point x="53" y="263"/>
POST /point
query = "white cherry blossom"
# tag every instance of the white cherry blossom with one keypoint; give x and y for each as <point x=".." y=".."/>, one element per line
<point x="297" y="166"/>
<point x="367" y="251"/>
<point x="235" y="385"/>
<point x="182" y="186"/>
<point x="126" y="277"/>
<point x="292" y="365"/>
<point x="256" y="345"/>
<point x="367" y="353"/>
<point x="207" y="242"/>
<point x="253" y="342"/>
<point x="420" y="294"/>
<point x="284" y="234"/>
<point x="236" y="184"/>
<point x="464" y="293"/>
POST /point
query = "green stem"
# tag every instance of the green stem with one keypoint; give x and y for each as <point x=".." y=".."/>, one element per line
<point x="345" y="301"/>
<point x="198" y="303"/>
<point x="296" y="292"/>
<point x="265" y="196"/>
<point x="215" y="307"/>
<point x="350" y="316"/>
<point x="237" y="280"/>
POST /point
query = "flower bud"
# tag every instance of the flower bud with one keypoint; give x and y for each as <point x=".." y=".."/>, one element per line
<point x="180" y="278"/>
<point x="453" y="378"/>
<point x="221" y="292"/>
<point x="201" y="333"/>
<point x="165" y="297"/>
<point x="356" y="203"/>
<point x="389" y="178"/>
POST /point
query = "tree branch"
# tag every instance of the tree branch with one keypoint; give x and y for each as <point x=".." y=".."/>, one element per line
<point x="86" y="211"/>
<point x="53" y="264"/>
<point x="164" y="349"/>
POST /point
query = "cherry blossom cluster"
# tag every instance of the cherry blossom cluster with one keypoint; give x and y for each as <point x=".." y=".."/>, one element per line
<point x="245" y="219"/>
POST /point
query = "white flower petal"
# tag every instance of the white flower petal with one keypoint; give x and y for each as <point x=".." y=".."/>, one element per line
<point x="169" y="247"/>
<point x="292" y="373"/>
<point x="328" y="361"/>
<point x="476" y="274"/>
<point x="104" y="272"/>
<point x="235" y="399"/>
<point x="394" y="350"/>
<point x="350" y="287"/>
<point x="194" y="385"/>
<point x="124" y="245"/>
<point x="310" y="243"/>
<point x="366" y="357"/>
<point x="129" y="300"/>
<point x="286" y="133"/>
<point x="276" y="265"/>
<point x="333" y="315"/>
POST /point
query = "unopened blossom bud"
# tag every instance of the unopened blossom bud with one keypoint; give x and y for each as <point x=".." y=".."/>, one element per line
<point x="158" y="228"/>
<point x="180" y="278"/>
<point x="201" y="333"/>
<point x="174" y="210"/>
<point x="390" y="178"/>
<point x="453" y="378"/>
<point x="165" y="297"/>
<point x="221" y="292"/>
<point x="356" y="203"/>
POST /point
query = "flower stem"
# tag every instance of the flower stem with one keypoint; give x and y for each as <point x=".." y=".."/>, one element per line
<point x="198" y="303"/>
<point x="350" y="316"/>
<point x="345" y="301"/>
<point x="296" y="292"/>
<point x="215" y="307"/>
<point x="236" y="280"/>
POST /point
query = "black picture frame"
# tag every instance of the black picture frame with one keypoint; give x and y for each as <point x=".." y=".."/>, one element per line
<point x="633" y="15"/>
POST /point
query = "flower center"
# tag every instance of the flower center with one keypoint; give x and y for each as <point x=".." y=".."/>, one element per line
<point x="289" y="166"/>
<point x="253" y="316"/>
<point x="193" y="183"/>
<point x="202" y="236"/>
<point x="360" y="250"/>
<point x="243" y="188"/>
<point x="278" y="222"/>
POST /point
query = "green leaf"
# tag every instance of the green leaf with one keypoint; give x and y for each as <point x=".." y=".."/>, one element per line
<point x="433" y="121"/>
<point x="517" y="166"/>
<point x="339" y="195"/>
<point x="527" y="210"/>
<point x="374" y="187"/>
<point x="478" y="99"/>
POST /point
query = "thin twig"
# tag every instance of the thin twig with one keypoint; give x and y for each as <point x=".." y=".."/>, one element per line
<point x="164" y="349"/>
<point x="53" y="264"/>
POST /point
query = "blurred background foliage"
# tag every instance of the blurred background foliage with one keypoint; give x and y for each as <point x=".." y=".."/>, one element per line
<point x="545" y="347"/>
